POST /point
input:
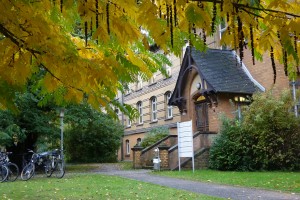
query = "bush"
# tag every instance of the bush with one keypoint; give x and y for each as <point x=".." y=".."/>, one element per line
<point x="96" y="137"/>
<point x="154" y="135"/>
<point x="231" y="150"/>
<point x="268" y="137"/>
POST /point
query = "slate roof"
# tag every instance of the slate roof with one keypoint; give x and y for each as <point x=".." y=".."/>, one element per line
<point x="222" y="71"/>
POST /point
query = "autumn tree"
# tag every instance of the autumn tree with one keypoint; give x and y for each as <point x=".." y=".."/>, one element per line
<point x="93" y="48"/>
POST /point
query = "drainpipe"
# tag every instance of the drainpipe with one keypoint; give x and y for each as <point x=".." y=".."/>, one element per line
<point x="122" y="118"/>
<point x="295" y="98"/>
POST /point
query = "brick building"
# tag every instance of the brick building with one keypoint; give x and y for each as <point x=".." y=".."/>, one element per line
<point x="201" y="87"/>
<point x="150" y="98"/>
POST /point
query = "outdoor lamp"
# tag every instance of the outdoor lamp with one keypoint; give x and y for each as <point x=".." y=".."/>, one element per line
<point x="239" y="99"/>
<point x="62" y="113"/>
<point x="198" y="86"/>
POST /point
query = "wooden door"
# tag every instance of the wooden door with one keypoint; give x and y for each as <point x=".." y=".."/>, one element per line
<point x="201" y="116"/>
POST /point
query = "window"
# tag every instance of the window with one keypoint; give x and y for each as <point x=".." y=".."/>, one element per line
<point x="169" y="109"/>
<point x="127" y="147"/>
<point x="169" y="72"/>
<point x="153" y="103"/>
<point x="128" y="122"/>
<point x="140" y="109"/>
<point x="152" y="79"/>
<point x="222" y="29"/>
<point x="168" y="69"/>
<point x="138" y="141"/>
<point x="128" y="89"/>
<point x="139" y="84"/>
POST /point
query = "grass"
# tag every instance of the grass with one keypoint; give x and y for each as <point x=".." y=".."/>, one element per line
<point x="279" y="181"/>
<point x="90" y="186"/>
<point x="78" y="183"/>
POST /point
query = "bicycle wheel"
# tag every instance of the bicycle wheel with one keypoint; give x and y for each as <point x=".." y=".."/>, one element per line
<point x="13" y="171"/>
<point x="59" y="170"/>
<point x="3" y="173"/>
<point x="27" y="171"/>
<point x="48" y="168"/>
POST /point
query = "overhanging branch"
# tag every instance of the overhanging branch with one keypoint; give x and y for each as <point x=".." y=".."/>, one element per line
<point x="19" y="42"/>
<point x="265" y="9"/>
<point x="57" y="78"/>
<point x="252" y="7"/>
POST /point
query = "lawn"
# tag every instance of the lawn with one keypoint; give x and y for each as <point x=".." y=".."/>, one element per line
<point x="280" y="181"/>
<point x="90" y="186"/>
<point x="79" y="183"/>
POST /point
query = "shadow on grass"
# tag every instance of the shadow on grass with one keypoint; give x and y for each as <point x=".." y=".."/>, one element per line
<point x="94" y="167"/>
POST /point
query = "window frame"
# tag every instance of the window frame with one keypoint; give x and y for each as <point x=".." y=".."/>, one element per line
<point x="139" y="83"/>
<point x="140" y="110"/>
<point x="153" y="104"/>
<point x="169" y="108"/>
<point x="128" y="122"/>
<point x="152" y="79"/>
<point x="127" y="147"/>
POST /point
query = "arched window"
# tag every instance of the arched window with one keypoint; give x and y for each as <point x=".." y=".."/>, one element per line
<point x="138" y="141"/>
<point x="168" y="108"/>
<point x="127" y="147"/>
<point x="153" y="104"/>
<point x="140" y="109"/>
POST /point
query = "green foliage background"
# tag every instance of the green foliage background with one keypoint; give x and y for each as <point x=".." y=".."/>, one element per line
<point x="154" y="135"/>
<point x="268" y="137"/>
<point x="29" y="124"/>
<point x="91" y="136"/>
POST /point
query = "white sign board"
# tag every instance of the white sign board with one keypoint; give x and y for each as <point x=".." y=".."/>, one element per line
<point x="185" y="141"/>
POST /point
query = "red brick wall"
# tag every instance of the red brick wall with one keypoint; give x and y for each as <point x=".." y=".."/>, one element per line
<point x="263" y="73"/>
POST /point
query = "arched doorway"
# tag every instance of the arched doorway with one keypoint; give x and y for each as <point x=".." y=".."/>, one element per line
<point x="201" y="109"/>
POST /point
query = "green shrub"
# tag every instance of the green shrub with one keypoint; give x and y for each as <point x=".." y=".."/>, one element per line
<point x="268" y="137"/>
<point x="92" y="137"/>
<point x="154" y="135"/>
<point x="230" y="149"/>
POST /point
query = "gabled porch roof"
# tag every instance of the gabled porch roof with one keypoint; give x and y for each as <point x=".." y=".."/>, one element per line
<point x="219" y="69"/>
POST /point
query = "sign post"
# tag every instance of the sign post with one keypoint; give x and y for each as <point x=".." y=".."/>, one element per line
<point x="185" y="141"/>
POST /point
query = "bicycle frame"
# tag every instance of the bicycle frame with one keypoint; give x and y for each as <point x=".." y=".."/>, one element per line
<point x="12" y="168"/>
<point x="51" y="161"/>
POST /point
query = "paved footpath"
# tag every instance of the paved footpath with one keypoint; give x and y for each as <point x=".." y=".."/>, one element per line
<point x="223" y="191"/>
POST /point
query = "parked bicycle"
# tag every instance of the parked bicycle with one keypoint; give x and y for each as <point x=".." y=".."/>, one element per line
<point x="3" y="170"/>
<point x="51" y="161"/>
<point x="9" y="171"/>
<point x="55" y="164"/>
<point x="37" y="159"/>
